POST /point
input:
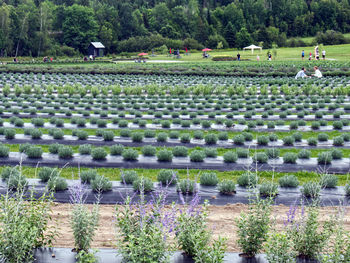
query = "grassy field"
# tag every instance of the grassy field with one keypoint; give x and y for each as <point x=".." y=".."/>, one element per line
<point x="338" y="52"/>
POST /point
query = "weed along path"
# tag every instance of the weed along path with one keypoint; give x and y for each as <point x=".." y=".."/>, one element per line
<point x="221" y="221"/>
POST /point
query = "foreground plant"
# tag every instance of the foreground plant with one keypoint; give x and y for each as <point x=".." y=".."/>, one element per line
<point x="24" y="226"/>
<point x="253" y="226"/>
<point x="278" y="248"/>
<point x="193" y="235"/>
<point x="338" y="247"/>
<point x="83" y="222"/>
<point x="308" y="236"/>
<point x="143" y="230"/>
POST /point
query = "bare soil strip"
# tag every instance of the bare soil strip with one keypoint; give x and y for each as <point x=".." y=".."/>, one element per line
<point x="221" y="220"/>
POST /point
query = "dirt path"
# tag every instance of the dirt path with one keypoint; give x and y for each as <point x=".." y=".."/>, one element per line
<point x="221" y="219"/>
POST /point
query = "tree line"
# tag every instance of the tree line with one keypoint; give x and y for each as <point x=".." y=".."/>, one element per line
<point x="65" y="27"/>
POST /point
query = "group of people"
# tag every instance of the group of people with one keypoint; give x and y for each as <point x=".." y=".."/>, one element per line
<point x="317" y="54"/>
<point x="47" y="59"/>
<point x="302" y="74"/>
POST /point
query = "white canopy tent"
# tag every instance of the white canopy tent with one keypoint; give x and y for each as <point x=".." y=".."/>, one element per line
<point x="252" y="47"/>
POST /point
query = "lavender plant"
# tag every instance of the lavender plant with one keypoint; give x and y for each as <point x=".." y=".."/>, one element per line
<point x="193" y="236"/>
<point x="253" y="226"/>
<point x="308" y="236"/>
<point x="84" y="223"/>
<point x="24" y="226"/>
<point x="278" y="248"/>
<point x="143" y="229"/>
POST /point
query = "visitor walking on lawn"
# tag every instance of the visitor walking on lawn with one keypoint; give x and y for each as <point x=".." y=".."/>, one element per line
<point x="302" y="55"/>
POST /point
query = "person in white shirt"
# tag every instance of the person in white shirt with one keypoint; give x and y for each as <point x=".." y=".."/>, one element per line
<point x="318" y="73"/>
<point x="324" y="54"/>
<point x="301" y="74"/>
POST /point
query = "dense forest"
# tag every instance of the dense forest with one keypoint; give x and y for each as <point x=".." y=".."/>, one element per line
<point x="65" y="27"/>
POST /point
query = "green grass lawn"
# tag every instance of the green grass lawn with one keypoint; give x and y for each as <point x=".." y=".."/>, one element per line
<point x="337" y="52"/>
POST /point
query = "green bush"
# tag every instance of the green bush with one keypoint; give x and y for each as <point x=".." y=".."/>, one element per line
<point x="322" y="137"/>
<point x="162" y="137"/>
<point x="288" y="181"/>
<point x="53" y="148"/>
<point x="338" y="141"/>
<point x="129" y="176"/>
<point x="260" y="158"/>
<point x="34" y="152"/>
<point x="85" y="149"/>
<point x="16" y="181"/>
<point x="312" y="141"/>
<point x="108" y="136"/>
<point x="149" y="150"/>
<point x="242" y="153"/>
<point x="164" y="156"/>
<point x="272" y="153"/>
<point x="210" y="152"/>
<point x="143" y="184"/>
<point x="137" y="136"/>
<point x="150" y="134"/>
<point x="239" y="139"/>
<point x="174" y="134"/>
<point x="82" y="135"/>
<point x="88" y="175"/>
<point x="337" y="125"/>
<point x="45" y="173"/>
<point x="65" y="152"/>
<point x="101" y="184"/>
<point x="57" y="135"/>
<point x="125" y="133"/>
<point x="311" y="190"/>
<point x="180" y="151"/>
<point x="328" y="181"/>
<point x="230" y="157"/>
<point x="288" y="141"/>
<point x="347" y="189"/>
<point x="185" y="138"/>
<point x="9" y="133"/>
<point x="227" y="187"/>
<point x="167" y="177"/>
<point x="263" y="140"/>
<point x="57" y="183"/>
<point x="268" y="189"/>
<point x="186" y="186"/>
<point x="247" y="180"/>
<point x="223" y="136"/>
<point x="211" y="139"/>
<point x="24" y="147"/>
<point x="98" y="153"/>
<point x="304" y="154"/>
<point x="337" y="154"/>
<point x="9" y="171"/>
<point x="130" y="155"/>
<point x="4" y="151"/>
<point x="197" y="156"/>
<point x="209" y="179"/>
<point x="290" y="158"/>
<point x="324" y="158"/>
<point x="116" y="149"/>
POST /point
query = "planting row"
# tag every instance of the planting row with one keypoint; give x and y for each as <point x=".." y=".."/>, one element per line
<point x="143" y="80"/>
<point x="167" y="178"/>
<point x="190" y="104"/>
<point x="173" y="138"/>
<point x="240" y="159"/>
<point x="195" y="124"/>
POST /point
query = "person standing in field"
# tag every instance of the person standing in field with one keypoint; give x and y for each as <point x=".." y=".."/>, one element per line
<point x="302" y="55"/>
<point x="238" y="56"/>
<point x="257" y="58"/>
<point x="324" y="54"/>
<point x="310" y="56"/>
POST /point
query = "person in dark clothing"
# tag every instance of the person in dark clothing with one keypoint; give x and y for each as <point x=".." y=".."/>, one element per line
<point x="238" y="56"/>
